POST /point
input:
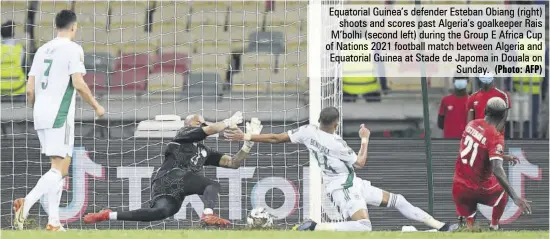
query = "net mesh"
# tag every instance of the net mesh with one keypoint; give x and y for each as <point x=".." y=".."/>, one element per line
<point x="147" y="58"/>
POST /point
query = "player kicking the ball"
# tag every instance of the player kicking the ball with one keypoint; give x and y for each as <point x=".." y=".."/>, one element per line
<point x="479" y="175"/>
<point x="56" y="72"/>
<point x="179" y="177"/>
<point x="337" y="161"/>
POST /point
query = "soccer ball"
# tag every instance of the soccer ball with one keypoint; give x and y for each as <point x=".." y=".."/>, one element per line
<point x="259" y="218"/>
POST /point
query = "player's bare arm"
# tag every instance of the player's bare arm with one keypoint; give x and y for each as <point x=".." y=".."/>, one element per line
<point x="498" y="171"/>
<point x="254" y="127"/>
<point x="364" y="133"/>
<point x="233" y="162"/>
<point x="513" y="160"/>
<point x="30" y="91"/>
<point x="238" y="135"/>
<point x="84" y="91"/>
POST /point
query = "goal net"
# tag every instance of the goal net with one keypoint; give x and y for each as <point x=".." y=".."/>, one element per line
<point x="149" y="58"/>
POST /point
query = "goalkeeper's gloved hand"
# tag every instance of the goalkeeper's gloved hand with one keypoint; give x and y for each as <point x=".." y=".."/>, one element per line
<point x="254" y="127"/>
<point x="236" y="119"/>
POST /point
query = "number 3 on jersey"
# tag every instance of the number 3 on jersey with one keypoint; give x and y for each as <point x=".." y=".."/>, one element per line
<point x="470" y="148"/>
<point x="46" y="73"/>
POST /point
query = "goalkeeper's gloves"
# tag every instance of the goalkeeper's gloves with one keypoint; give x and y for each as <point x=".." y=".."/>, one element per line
<point x="236" y="119"/>
<point x="254" y="127"/>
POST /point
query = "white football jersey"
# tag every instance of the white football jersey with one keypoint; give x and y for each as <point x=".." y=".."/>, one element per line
<point x="334" y="156"/>
<point x="52" y="67"/>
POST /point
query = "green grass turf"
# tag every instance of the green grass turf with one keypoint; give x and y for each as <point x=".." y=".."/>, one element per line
<point x="185" y="234"/>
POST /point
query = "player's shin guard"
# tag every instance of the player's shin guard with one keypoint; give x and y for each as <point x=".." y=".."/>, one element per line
<point x="210" y="195"/>
<point x="411" y="212"/>
<point x="498" y="210"/>
<point x="54" y="198"/>
<point x="47" y="182"/>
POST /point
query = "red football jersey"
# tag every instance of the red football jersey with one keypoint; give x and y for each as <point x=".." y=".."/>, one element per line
<point x="455" y="112"/>
<point x="478" y="101"/>
<point x="480" y="144"/>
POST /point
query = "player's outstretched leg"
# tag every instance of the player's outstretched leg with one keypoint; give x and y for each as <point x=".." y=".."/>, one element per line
<point x="363" y="225"/>
<point x="378" y="197"/>
<point x="164" y="207"/>
<point x="21" y="206"/>
<point x="360" y="224"/>
<point x="414" y="213"/>
<point x="197" y="184"/>
<point x="353" y="205"/>
<point x="498" y="210"/>
<point x="54" y="199"/>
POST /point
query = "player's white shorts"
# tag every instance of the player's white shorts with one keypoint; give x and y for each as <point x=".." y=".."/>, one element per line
<point x="57" y="141"/>
<point x="349" y="201"/>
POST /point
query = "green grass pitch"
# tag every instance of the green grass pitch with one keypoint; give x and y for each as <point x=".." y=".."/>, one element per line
<point x="187" y="234"/>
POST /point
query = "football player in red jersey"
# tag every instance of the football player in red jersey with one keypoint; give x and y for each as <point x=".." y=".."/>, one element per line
<point x="478" y="100"/>
<point x="479" y="175"/>
<point x="452" y="110"/>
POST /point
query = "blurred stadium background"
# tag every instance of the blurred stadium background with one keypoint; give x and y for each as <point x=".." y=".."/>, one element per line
<point x="147" y="58"/>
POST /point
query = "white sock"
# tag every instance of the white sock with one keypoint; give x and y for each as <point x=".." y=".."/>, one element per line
<point x="207" y="211"/>
<point x="112" y="216"/>
<point x="411" y="212"/>
<point x="363" y="225"/>
<point x="54" y="199"/>
<point x="48" y="181"/>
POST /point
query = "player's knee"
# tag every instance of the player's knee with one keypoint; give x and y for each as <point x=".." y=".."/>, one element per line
<point x="366" y="224"/>
<point x="166" y="213"/>
<point x="63" y="169"/>
<point x="398" y="201"/>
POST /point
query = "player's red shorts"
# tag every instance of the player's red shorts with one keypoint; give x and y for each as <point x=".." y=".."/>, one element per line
<point x="467" y="196"/>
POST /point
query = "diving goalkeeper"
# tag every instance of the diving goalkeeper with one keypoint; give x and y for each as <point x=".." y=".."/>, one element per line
<point x="179" y="177"/>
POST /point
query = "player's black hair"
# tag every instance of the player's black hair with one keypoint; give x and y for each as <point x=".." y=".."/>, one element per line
<point x="65" y="19"/>
<point x="329" y="115"/>
<point x="7" y="29"/>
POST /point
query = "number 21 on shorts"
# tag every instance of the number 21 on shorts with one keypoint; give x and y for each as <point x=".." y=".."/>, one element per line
<point x="470" y="146"/>
<point x="46" y="73"/>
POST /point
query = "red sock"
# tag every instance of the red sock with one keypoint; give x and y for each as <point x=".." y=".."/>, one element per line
<point x="498" y="210"/>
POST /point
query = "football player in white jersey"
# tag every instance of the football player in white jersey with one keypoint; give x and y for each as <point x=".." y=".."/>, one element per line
<point x="56" y="72"/>
<point x="337" y="160"/>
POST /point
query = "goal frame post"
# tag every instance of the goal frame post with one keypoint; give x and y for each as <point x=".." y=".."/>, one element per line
<point x="314" y="73"/>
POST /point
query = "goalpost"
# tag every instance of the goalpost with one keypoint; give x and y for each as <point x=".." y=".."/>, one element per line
<point x="149" y="58"/>
<point x="323" y="92"/>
